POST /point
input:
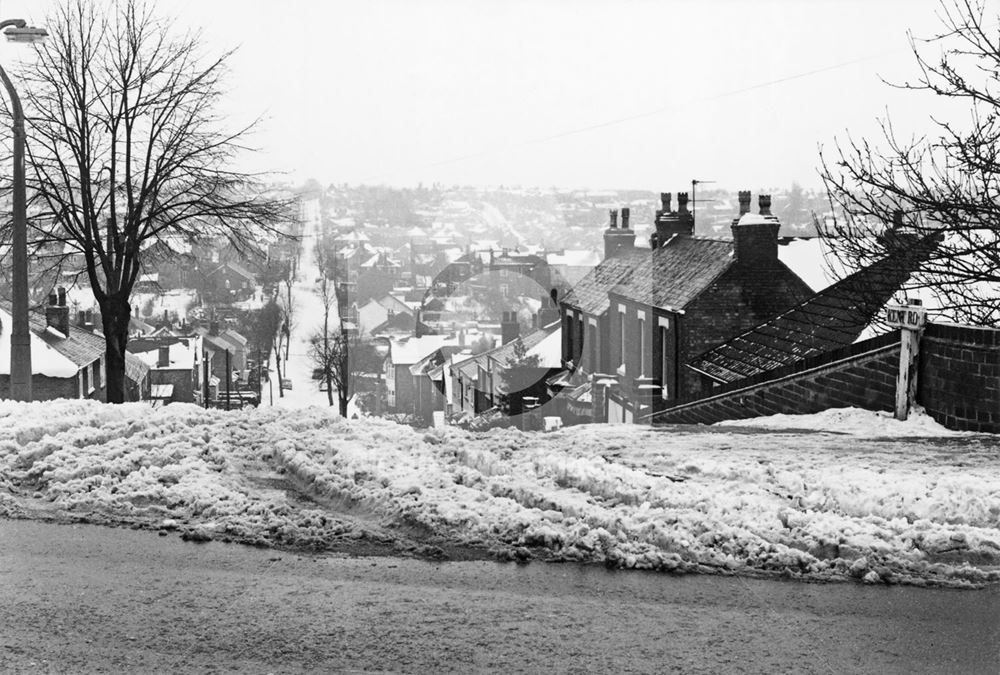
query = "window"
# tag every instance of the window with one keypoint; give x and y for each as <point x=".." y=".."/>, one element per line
<point x="664" y="363"/>
<point x="621" y="337"/>
<point x="642" y="348"/>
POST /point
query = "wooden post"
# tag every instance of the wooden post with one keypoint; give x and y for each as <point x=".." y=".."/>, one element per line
<point x="228" y="376"/>
<point x="910" y="319"/>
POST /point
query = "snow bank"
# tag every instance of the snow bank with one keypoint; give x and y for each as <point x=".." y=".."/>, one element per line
<point x="702" y="500"/>
<point x="853" y="421"/>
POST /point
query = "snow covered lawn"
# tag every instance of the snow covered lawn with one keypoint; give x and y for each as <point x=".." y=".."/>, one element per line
<point x="873" y="506"/>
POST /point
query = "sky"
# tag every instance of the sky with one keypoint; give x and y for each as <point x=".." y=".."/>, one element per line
<point x="585" y="94"/>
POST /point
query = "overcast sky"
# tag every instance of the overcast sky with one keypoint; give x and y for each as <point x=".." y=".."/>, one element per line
<point x="596" y="94"/>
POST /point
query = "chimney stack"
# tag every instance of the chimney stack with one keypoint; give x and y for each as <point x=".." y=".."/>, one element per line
<point x="163" y="357"/>
<point x="670" y="223"/>
<point x="549" y="311"/>
<point x="618" y="239"/>
<point x="509" y="328"/>
<point x="213" y="328"/>
<point x="755" y="236"/>
<point x="57" y="313"/>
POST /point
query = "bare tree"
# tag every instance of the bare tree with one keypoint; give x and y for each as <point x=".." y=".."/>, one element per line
<point x="330" y="350"/>
<point x="125" y="147"/>
<point x="944" y="184"/>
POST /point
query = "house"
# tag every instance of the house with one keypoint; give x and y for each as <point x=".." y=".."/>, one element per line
<point x="66" y="361"/>
<point x="217" y="343"/>
<point x="175" y="365"/>
<point x="231" y="282"/>
<point x="480" y="382"/>
<point x="138" y="386"/>
<point x="832" y="318"/>
<point x="642" y="314"/>
<point x="401" y="385"/>
<point x="377" y="311"/>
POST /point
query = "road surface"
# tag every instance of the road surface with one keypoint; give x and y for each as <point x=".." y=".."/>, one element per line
<point x="83" y="598"/>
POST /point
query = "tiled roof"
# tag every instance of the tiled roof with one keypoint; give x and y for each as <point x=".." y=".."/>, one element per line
<point x="504" y="353"/>
<point x="136" y="369"/>
<point x="591" y="293"/>
<point x="675" y="274"/>
<point x="832" y="318"/>
<point x="671" y="276"/>
<point x="81" y="347"/>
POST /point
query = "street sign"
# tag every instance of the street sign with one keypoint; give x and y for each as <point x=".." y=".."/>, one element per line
<point x="912" y="317"/>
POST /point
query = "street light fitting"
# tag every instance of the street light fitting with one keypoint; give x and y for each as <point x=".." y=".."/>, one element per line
<point x="25" y="33"/>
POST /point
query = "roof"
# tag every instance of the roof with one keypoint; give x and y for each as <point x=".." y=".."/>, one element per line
<point x="537" y="343"/>
<point x="410" y="350"/>
<point x="591" y="293"/>
<point x="574" y="258"/>
<point x="136" y="369"/>
<point x="834" y="317"/>
<point x="236" y="267"/>
<point x="52" y="354"/>
<point x="676" y="273"/>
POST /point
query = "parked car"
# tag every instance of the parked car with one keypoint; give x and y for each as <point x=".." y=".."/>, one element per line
<point x="286" y="384"/>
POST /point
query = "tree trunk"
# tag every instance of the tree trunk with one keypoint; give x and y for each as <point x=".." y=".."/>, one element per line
<point x="115" y="316"/>
<point x="277" y="364"/>
<point x="329" y="388"/>
<point x="342" y="400"/>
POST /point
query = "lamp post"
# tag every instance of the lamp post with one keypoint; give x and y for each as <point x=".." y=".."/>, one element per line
<point x="382" y="348"/>
<point x="20" y="337"/>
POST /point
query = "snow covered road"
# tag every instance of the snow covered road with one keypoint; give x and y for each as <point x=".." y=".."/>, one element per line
<point x="923" y="510"/>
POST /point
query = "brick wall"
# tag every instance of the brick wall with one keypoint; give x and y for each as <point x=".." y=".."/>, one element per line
<point x="45" y="388"/>
<point x="745" y="296"/>
<point x="861" y="375"/>
<point x="958" y="382"/>
<point x="959" y="378"/>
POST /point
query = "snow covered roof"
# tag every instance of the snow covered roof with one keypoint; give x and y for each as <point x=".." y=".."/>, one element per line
<point x="579" y="257"/>
<point x="51" y="355"/>
<point x="410" y="350"/>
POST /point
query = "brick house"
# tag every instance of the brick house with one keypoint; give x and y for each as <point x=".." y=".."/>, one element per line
<point x="175" y="367"/>
<point x="66" y="361"/>
<point x="641" y="315"/>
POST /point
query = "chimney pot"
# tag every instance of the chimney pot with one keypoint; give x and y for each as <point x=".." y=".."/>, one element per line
<point x="613" y="216"/>
<point x="665" y="201"/>
<point x="682" y="202"/>
<point x="53" y="299"/>
<point x="626" y="213"/>
<point x="764" y="202"/>
<point x="61" y="296"/>
<point x="897" y="219"/>
<point x="744" y="196"/>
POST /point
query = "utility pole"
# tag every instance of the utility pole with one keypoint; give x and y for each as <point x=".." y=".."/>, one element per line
<point x="204" y="368"/>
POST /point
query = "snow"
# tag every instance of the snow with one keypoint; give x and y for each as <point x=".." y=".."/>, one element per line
<point x="853" y="421"/>
<point x="920" y="510"/>
<point x="45" y="360"/>
<point x="307" y="320"/>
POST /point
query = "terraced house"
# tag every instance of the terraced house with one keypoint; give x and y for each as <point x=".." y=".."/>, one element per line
<point x="631" y="325"/>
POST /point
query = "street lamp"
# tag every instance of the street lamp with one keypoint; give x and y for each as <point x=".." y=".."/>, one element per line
<point x="382" y="348"/>
<point x="20" y="337"/>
